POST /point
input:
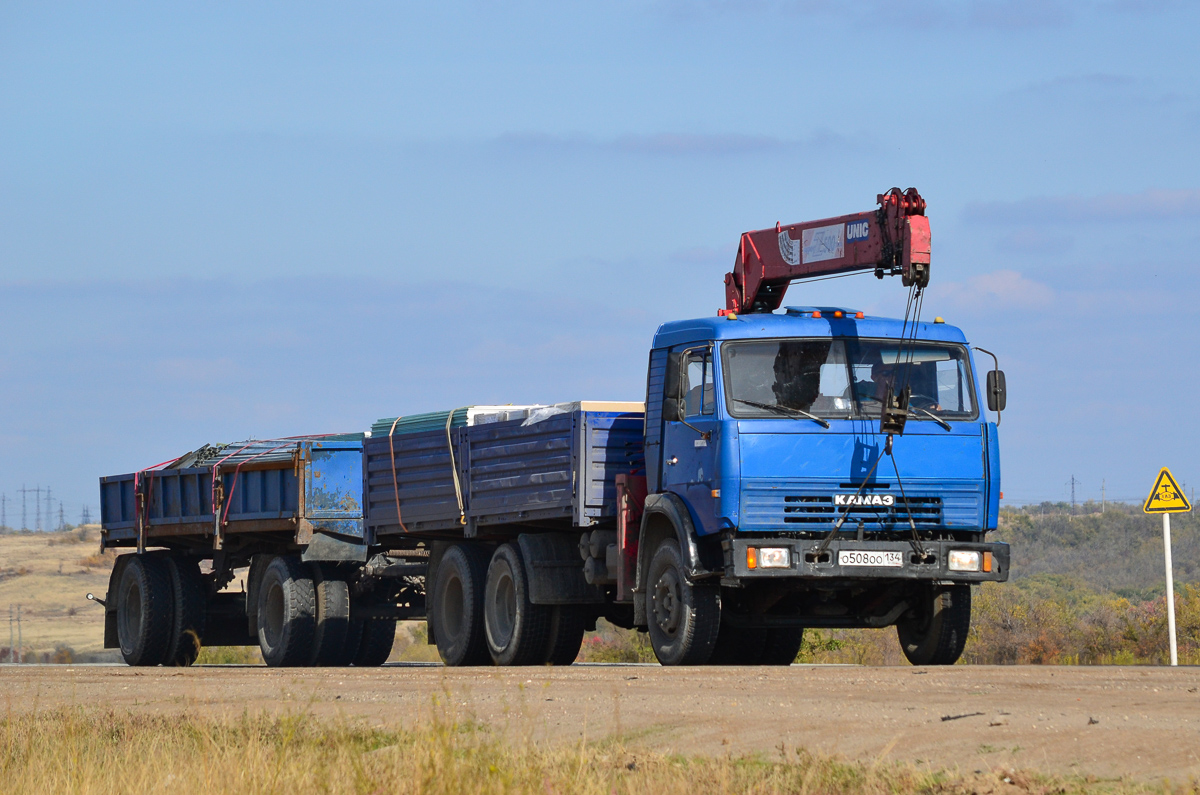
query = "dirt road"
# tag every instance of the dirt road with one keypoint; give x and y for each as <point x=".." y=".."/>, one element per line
<point x="1143" y="722"/>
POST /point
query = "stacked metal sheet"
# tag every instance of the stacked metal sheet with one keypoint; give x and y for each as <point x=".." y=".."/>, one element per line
<point x="460" y="417"/>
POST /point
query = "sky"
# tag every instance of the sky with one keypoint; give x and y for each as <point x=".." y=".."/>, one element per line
<point x="230" y="221"/>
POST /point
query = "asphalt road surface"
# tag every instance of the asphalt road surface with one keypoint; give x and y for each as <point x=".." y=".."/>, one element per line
<point x="1104" y="721"/>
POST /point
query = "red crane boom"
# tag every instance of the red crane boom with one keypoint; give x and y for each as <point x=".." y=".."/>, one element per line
<point x="892" y="240"/>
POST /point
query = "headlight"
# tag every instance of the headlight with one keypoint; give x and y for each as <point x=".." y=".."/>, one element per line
<point x="774" y="558"/>
<point x="963" y="560"/>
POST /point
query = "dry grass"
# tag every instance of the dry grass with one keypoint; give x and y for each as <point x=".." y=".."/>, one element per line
<point x="49" y="574"/>
<point x="94" y="751"/>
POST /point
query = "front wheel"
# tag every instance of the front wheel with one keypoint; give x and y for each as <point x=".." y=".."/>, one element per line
<point x="934" y="631"/>
<point x="145" y="610"/>
<point x="684" y="619"/>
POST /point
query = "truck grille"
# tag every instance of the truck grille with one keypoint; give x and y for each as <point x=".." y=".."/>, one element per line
<point x="802" y="512"/>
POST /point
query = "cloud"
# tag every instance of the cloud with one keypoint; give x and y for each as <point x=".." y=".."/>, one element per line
<point x="1002" y="289"/>
<point x="1031" y="240"/>
<point x="1148" y="205"/>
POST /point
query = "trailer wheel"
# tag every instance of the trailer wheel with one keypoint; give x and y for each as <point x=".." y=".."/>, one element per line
<point x="683" y="618"/>
<point x="567" y="625"/>
<point x="331" y="633"/>
<point x="517" y="631"/>
<point x="378" y="637"/>
<point x="782" y="646"/>
<point x="456" y="607"/>
<point x="145" y="610"/>
<point x="187" y="631"/>
<point x="736" y="646"/>
<point x="286" y="613"/>
<point x="935" y="631"/>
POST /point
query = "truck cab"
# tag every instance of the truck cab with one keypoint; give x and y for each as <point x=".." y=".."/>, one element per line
<point x="763" y="435"/>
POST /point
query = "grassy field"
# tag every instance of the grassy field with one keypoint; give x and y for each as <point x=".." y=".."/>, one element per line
<point x="49" y="575"/>
<point x="95" y="751"/>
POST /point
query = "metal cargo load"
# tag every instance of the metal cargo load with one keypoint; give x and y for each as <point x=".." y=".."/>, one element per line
<point x="548" y="467"/>
<point x="256" y="487"/>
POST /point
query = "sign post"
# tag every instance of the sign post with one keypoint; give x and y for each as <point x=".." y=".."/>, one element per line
<point x="1167" y="498"/>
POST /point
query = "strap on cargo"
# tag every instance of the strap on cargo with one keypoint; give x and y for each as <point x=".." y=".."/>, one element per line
<point x="287" y="440"/>
<point x="462" y="514"/>
<point x="141" y="502"/>
<point x="395" y="483"/>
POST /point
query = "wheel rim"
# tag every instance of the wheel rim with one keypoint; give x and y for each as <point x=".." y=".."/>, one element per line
<point x="273" y="623"/>
<point x="452" y="607"/>
<point x="667" y="604"/>
<point x="129" y="618"/>
<point x="502" y="608"/>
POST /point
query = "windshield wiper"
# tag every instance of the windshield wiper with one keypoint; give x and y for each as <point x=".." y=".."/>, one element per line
<point x="797" y="413"/>
<point x="931" y="416"/>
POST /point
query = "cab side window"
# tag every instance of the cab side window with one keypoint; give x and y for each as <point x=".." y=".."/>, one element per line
<point x="698" y="382"/>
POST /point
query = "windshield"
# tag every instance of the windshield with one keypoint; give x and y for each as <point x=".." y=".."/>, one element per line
<point x="839" y="379"/>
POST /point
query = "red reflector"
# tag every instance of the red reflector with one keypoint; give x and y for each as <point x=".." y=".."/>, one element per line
<point x="1001" y="495"/>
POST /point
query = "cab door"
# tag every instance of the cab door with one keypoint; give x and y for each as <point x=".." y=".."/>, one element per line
<point x="691" y="442"/>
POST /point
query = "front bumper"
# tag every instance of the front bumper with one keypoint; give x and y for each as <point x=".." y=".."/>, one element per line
<point x="806" y="563"/>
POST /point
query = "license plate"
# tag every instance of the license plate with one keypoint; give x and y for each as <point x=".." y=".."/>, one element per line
<point x="868" y="557"/>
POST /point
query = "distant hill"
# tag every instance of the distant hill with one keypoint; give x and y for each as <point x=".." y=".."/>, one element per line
<point x="1118" y="551"/>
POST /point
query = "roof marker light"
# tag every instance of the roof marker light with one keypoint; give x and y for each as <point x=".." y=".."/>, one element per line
<point x="837" y="313"/>
<point x="939" y="320"/>
<point x="859" y="315"/>
<point x="816" y="313"/>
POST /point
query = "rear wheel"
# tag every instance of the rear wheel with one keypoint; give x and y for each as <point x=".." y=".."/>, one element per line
<point x="190" y="602"/>
<point x="934" y="631"/>
<point x="517" y="630"/>
<point x="286" y="613"/>
<point x="331" y="634"/>
<point x="145" y="610"/>
<point x="782" y="646"/>
<point x="683" y="619"/>
<point x="378" y="637"/>
<point x="456" y="606"/>
<point x="567" y="625"/>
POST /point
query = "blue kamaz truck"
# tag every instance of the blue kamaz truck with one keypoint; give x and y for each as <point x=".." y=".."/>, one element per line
<point x="791" y="467"/>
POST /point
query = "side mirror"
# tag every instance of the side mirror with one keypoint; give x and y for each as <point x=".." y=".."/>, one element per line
<point x="672" y="410"/>
<point x="997" y="393"/>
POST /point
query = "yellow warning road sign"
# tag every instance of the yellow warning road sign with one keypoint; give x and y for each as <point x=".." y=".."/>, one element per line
<point x="1166" y="496"/>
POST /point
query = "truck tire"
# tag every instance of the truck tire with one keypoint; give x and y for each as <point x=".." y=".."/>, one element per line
<point x="567" y="625"/>
<point x="684" y="619"/>
<point x="331" y="633"/>
<point x="145" y="610"/>
<point x="782" y="646"/>
<point x="378" y="635"/>
<point x="736" y="646"/>
<point x="517" y="631"/>
<point x="286" y="613"/>
<point x="456" y="606"/>
<point x="935" y="631"/>
<point x="190" y="602"/>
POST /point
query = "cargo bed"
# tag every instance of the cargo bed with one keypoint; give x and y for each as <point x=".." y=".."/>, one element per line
<point x="554" y="468"/>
